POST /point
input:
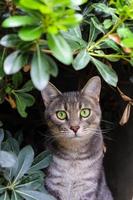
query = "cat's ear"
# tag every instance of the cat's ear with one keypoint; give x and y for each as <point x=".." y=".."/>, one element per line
<point x="92" y="87"/>
<point x="49" y="93"/>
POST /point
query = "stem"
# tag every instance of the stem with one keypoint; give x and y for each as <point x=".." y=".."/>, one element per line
<point x="124" y="57"/>
<point x="110" y="55"/>
<point x="120" y="21"/>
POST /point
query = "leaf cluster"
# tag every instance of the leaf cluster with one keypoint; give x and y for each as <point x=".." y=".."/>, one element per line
<point x="37" y="27"/>
<point x="16" y="92"/>
<point x="21" y="177"/>
<point x="43" y="31"/>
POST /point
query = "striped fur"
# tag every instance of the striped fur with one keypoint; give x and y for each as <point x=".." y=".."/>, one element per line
<point x="76" y="172"/>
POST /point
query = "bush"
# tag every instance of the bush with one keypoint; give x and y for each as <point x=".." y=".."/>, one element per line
<point x="36" y="33"/>
<point x="21" y="177"/>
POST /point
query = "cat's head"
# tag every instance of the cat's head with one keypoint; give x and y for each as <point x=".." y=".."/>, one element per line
<point x="73" y="115"/>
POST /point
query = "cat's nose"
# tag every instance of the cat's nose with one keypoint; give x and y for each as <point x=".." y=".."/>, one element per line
<point x="75" y="128"/>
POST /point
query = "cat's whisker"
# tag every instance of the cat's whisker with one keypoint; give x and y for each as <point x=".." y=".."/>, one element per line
<point x="106" y="121"/>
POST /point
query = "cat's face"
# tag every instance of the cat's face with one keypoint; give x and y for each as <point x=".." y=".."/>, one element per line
<point x="73" y="115"/>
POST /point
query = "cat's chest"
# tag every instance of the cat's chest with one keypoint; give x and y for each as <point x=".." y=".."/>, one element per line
<point x="71" y="177"/>
<point x="72" y="172"/>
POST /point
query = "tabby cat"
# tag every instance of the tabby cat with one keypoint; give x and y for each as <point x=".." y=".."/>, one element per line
<point x="73" y="118"/>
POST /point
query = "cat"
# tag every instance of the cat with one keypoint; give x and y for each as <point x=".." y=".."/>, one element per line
<point x="73" y="118"/>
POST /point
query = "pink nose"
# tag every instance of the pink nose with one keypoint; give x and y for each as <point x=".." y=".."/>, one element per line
<point x="74" y="128"/>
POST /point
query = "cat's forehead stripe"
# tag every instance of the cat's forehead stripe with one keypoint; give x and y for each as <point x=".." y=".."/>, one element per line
<point x="72" y="101"/>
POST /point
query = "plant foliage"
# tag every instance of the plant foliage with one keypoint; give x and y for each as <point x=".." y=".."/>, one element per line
<point x="21" y="177"/>
<point x="39" y="32"/>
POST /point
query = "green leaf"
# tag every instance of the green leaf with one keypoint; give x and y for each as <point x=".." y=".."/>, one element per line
<point x="23" y="100"/>
<point x="30" y="33"/>
<point x="52" y="68"/>
<point x="34" y="181"/>
<point x="113" y="59"/>
<point x="97" y="24"/>
<point x="74" y="45"/>
<point x="60" y="48"/>
<point x="41" y="161"/>
<point x="35" y="5"/>
<point x="25" y="159"/>
<point x="16" y="21"/>
<point x="74" y="35"/>
<point x="10" y="40"/>
<point x="11" y="145"/>
<point x="7" y="160"/>
<point x="127" y="42"/>
<point x="2" y="189"/>
<point x="17" y="79"/>
<point x="27" y="87"/>
<point x="111" y="44"/>
<point x="39" y="70"/>
<point x="107" y="23"/>
<point x="76" y="31"/>
<point x="102" y="7"/>
<point x="30" y="185"/>
<point x="81" y="60"/>
<point x="14" y="62"/>
<point x="108" y="74"/>
<point x="5" y="196"/>
<point x="124" y="32"/>
<point x="15" y="196"/>
<point x="34" y="195"/>
<point x="93" y="33"/>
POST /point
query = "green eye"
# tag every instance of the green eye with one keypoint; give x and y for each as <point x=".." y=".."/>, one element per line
<point x="85" y="112"/>
<point x="61" y="114"/>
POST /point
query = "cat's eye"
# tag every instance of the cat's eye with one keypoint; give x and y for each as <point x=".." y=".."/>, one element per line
<point x="85" y="112"/>
<point x="61" y="115"/>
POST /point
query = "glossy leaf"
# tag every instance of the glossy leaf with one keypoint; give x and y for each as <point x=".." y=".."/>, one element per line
<point x="60" y="48"/>
<point x="13" y="62"/>
<point x="35" y="5"/>
<point x="23" y="100"/>
<point x="111" y="44"/>
<point x="30" y="33"/>
<point x="15" y="196"/>
<point x="4" y="196"/>
<point x="124" y="32"/>
<point x="25" y="159"/>
<point x="93" y="33"/>
<point x="10" y="40"/>
<point x="74" y="35"/>
<point x="41" y="161"/>
<point x="11" y="145"/>
<point x="102" y="7"/>
<point x="81" y="60"/>
<point x="16" y="21"/>
<point x="7" y="160"/>
<point x="39" y="70"/>
<point x="97" y="24"/>
<point x="107" y="23"/>
<point x="27" y="87"/>
<point x="52" y="68"/>
<point x="34" y="195"/>
<point x="108" y="74"/>
<point x="127" y="42"/>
